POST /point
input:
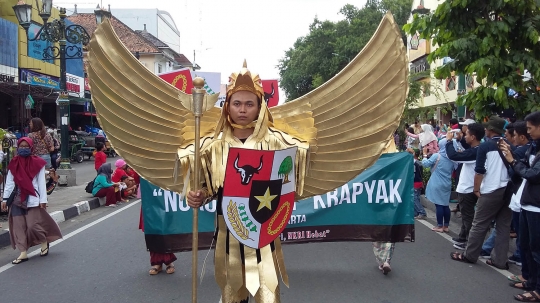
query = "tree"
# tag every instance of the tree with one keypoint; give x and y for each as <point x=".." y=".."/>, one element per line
<point x="285" y="169"/>
<point x="495" y="40"/>
<point x="330" y="46"/>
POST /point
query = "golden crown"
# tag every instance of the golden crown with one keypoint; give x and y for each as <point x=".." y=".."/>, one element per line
<point x="245" y="81"/>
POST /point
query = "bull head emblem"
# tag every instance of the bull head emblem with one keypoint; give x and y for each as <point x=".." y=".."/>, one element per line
<point x="270" y="95"/>
<point x="246" y="172"/>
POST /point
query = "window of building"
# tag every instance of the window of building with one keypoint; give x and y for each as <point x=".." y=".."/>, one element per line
<point x="159" y="68"/>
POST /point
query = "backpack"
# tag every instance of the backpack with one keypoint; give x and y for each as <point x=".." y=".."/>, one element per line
<point x="90" y="186"/>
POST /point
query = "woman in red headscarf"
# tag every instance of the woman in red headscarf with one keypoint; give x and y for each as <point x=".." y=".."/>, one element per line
<point x="29" y="222"/>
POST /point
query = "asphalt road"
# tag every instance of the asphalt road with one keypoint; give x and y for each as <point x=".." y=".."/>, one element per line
<point x="86" y="171"/>
<point x="102" y="258"/>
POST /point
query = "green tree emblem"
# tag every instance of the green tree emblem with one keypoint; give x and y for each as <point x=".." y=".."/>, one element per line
<point x="285" y="169"/>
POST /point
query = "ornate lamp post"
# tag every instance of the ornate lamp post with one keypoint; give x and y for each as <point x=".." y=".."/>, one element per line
<point x="57" y="31"/>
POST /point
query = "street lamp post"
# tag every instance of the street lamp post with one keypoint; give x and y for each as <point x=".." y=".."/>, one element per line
<point x="57" y="31"/>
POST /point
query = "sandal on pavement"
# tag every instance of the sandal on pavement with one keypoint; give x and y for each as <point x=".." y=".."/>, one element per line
<point x="490" y="263"/>
<point x="44" y="252"/>
<point x="437" y="229"/>
<point x="530" y="296"/>
<point x="154" y="270"/>
<point x="515" y="278"/>
<point x="521" y="285"/>
<point x="457" y="256"/>
<point x="385" y="268"/>
<point x="19" y="261"/>
<point x="170" y="269"/>
<point x="446" y="230"/>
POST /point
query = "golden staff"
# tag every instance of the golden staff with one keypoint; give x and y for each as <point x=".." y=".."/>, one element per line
<point x="198" y="97"/>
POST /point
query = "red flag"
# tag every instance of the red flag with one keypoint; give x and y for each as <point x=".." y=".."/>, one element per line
<point x="271" y="92"/>
<point x="180" y="79"/>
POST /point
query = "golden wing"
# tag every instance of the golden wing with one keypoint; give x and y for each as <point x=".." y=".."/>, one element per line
<point x="349" y="119"/>
<point x="146" y="119"/>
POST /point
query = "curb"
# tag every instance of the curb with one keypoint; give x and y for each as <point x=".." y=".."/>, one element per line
<point x="431" y="206"/>
<point x="60" y="216"/>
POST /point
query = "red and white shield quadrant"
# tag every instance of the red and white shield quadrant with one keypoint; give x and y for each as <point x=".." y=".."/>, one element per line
<point x="258" y="194"/>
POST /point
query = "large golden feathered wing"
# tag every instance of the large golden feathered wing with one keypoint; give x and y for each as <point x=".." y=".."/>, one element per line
<point x="146" y="119"/>
<point x="349" y="120"/>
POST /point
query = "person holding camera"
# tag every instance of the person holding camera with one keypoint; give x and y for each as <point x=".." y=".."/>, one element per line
<point x="528" y="168"/>
<point x="490" y="181"/>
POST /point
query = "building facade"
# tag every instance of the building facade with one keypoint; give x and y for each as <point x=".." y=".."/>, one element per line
<point x="157" y="22"/>
<point x="447" y="89"/>
<point x="24" y="72"/>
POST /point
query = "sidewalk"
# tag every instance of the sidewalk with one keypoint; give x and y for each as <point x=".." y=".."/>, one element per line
<point x="455" y="226"/>
<point x="65" y="203"/>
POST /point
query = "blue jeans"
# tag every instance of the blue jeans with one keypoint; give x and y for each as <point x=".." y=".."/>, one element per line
<point x="443" y="215"/>
<point x="418" y="207"/>
<point x="529" y="229"/>
<point x="488" y="244"/>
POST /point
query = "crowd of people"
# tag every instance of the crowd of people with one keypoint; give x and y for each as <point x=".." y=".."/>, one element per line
<point x="495" y="168"/>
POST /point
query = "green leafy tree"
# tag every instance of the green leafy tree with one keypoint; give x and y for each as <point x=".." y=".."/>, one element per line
<point x="495" y="40"/>
<point x="330" y="46"/>
<point x="285" y="169"/>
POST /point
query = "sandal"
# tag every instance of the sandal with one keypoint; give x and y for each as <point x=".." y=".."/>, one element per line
<point x="170" y="269"/>
<point x="385" y="268"/>
<point x="457" y="256"/>
<point x="44" y="252"/>
<point x="446" y="230"/>
<point x="521" y="285"/>
<point x="438" y="229"/>
<point x="515" y="278"/>
<point x="530" y="296"/>
<point x="490" y="263"/>
<point x="19" y="261"/>
<point x="155" y="270"/>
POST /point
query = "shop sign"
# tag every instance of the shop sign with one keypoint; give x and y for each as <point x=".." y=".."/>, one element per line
<point x="75" y="85"/>
<point x="7" y="78"/>
<point x="86" y="85"/>
<point x="37" y="47"/>
<point x="419" y="66"/>
<point x="34" y="78"/>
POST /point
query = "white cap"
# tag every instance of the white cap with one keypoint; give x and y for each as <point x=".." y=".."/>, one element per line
<point x="467" y="122"/>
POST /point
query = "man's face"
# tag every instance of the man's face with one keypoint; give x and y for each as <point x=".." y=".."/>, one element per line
<point x="534" y="131"/>
<point x="464" y="128"/>
<point x="509" y="137"/>
<point x="243" y="107"/>
<point x="468" y="137"/>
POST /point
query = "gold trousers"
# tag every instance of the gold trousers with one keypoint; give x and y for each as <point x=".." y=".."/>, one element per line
<point x="240" y="275"/>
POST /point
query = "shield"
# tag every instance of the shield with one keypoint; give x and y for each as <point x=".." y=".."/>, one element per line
<point x="258" y="194"/>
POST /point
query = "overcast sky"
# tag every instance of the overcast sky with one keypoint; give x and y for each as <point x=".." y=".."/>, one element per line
<point x="223" y="33"/>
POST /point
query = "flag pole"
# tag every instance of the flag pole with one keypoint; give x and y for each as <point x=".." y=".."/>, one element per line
<point x="198" y="96"/>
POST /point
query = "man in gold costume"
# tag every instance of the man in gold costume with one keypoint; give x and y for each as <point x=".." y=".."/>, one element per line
<point x="246" y="123"/>
<point x="339" y="130"/>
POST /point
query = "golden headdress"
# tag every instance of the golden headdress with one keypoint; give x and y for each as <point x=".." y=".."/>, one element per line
<point x="347" y="121"/>
<point x="245" y="80"/>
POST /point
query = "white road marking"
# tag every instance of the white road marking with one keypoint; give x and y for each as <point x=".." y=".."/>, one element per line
<point x="75" y="232"/>
<point x="504" y="272"/>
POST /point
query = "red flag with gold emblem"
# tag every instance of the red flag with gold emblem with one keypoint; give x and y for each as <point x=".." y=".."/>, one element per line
<point x="258" y="194"/>
<point x="180" y="79"/>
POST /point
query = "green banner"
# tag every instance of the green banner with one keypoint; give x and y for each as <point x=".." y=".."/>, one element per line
<point x="377" y="205"/>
